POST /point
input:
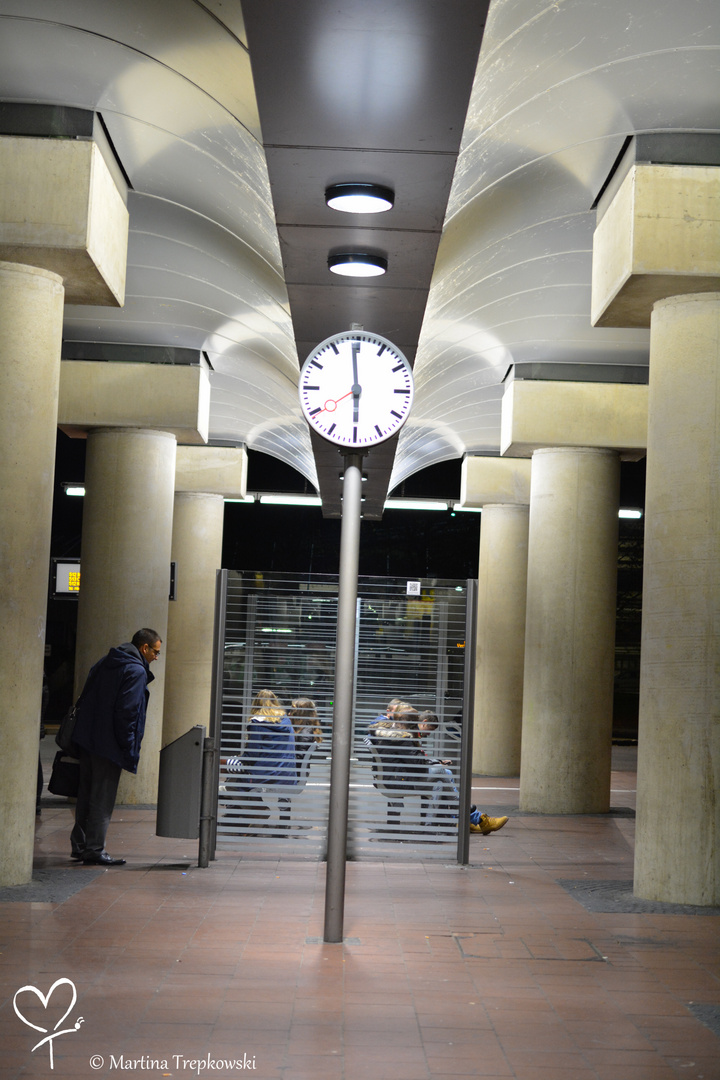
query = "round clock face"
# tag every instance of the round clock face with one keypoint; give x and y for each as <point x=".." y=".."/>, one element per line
<point x="356" y="389"/>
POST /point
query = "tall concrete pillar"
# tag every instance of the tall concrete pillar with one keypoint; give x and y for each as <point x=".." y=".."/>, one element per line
<point x="677" y="857"/>
<point x="126" y="542"/>
<point x="31" y="315"/>
<point x="197" y="552"/>
<point x="570" y="631"/>
<point x="62" y="212"/>
<point x="204" y="477"/>
<point x="501" y="486"/>
<point x="502" y="592"/>
<point x="656" y="263"/>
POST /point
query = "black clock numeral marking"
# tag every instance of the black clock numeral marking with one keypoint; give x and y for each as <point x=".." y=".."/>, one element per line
<point x="401" y="391"/>
<point x="314" y="412"/>
<point x="354" y="439"/>
<point x="311" y="387"/>
<point x="331" y="429"/>
<point x="382" y="349"/>
<point x="378" y="430"/>
<point x="334" y="348"/>
<point x="397" y="414"/>
<point x="400" y="367"/>
<point x="314" y="363"/>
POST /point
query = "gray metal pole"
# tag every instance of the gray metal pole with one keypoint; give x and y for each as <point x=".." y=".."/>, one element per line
<point x="207" y="846"/>
<point x="208" y="802"/>
<point x="468" y="719"/>
<point x="342" y="712"/>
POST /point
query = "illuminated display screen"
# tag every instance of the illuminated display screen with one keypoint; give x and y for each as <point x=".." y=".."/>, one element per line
<point x="66" y="577"/>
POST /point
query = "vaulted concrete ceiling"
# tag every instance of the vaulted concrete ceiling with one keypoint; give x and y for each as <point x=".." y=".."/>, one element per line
<point x="216" y="267"/>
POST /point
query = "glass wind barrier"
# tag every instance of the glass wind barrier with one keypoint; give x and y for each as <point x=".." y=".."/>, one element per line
<point x="275" y="750"/>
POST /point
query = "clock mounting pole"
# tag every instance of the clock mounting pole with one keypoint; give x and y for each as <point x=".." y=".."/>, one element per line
<point x="343" y="700"/>
<point x="360" y="365"/>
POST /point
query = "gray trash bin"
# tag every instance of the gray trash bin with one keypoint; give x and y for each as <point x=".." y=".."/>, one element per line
<point x="180" y="786"/>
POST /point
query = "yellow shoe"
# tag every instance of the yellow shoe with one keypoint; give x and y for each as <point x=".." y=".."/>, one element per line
<point x="475" y="828"/>
<point x="490" y="824"/>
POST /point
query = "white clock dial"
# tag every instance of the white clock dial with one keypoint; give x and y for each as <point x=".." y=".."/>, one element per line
<point x="356" y="389"/>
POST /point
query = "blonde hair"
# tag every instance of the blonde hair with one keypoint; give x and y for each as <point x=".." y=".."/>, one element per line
<point x="303" y="714"/>
<point x="406" y="718"/>
<point x="266" y="703"/>
<point x="396" y="716"/>
<point x="393" y="707"/>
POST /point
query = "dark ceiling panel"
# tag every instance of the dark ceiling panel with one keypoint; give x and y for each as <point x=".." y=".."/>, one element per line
<point x="395" y="314"/>
<point x="410" y="255"/>
<point x="387" y="74"/>
<point x="369" y="90"/>
<point x="299" y="177"/>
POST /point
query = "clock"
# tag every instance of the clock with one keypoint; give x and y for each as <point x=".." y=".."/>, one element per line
<point x="356" y="389"/>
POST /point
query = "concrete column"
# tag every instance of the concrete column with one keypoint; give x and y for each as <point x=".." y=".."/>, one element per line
<point x="197" y="551"/>
<point x="570" y="631"/>
<point x="502" y="592"/>
<point x="31" y="316"/>
<point x="126" y="541"/>
<point x="677" y="854"/>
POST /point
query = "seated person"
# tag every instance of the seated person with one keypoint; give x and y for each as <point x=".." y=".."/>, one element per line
<point x="384" y="719"/>
<point x="303" y="716"/>
<point x="445" y="796"/>
<point x="268" y="756"/>
<point x="479" y="822"/>
<point x="396" y="741"/>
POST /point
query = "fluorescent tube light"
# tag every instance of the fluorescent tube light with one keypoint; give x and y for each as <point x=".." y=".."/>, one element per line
<point x="290" y="500"/>
<point x="415" y="504"/>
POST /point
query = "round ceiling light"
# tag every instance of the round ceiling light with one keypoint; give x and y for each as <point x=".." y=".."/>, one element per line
<point x="357" y="264"/>
<point x="359" y="198"/>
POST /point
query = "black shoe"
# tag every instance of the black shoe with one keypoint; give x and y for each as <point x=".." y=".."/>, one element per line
<point x="77" y="855"/>
<point x="103" y="859"/>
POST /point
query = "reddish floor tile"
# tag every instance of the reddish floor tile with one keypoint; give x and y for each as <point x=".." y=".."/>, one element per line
<point x="449" y="971"/>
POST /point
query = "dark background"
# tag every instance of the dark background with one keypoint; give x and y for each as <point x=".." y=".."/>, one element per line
<point x="413" y="544"/>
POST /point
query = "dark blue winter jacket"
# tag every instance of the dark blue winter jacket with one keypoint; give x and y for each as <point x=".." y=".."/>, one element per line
<point x="269" y="755"/>
<point x="111" y="709"/>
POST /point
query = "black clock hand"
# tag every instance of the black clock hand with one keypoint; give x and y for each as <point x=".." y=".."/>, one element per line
<point x="357" y="389"/>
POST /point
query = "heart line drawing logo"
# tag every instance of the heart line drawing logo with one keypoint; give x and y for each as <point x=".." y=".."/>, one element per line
<point x="44" y="999"/>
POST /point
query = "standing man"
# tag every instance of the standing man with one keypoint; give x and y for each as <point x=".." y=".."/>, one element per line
<point x="108" y="732"/>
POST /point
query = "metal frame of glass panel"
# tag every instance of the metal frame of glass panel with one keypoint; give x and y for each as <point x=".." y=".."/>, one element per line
<point x="279" y="633"/>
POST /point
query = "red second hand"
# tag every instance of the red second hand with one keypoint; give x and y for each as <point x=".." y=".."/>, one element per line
<point x="331" y="406"/>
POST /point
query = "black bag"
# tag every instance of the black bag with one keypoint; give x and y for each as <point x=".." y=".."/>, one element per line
<point x="65" y="732"/>
<point x="65" y="776"/>
<point x="64" y="737"/>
